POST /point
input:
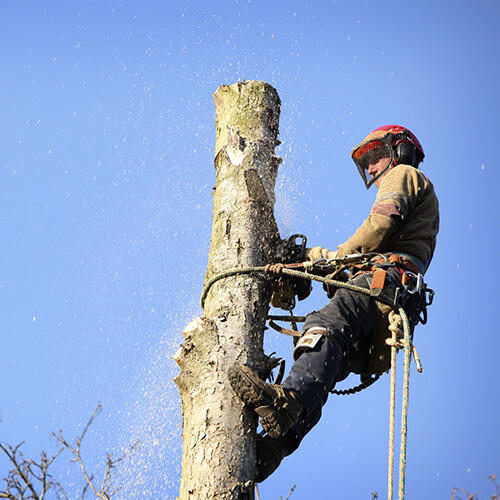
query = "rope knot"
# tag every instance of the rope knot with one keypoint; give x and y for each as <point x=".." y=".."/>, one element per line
<point x="396" y="327"/>
<point x="398" y="343"/>
<point x="274" y="268"/>
<point x="395" y="322"/>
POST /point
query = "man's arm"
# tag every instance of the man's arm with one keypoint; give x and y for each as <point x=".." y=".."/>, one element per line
<point x="316" y="253"/>
<point x="395" y="200"/>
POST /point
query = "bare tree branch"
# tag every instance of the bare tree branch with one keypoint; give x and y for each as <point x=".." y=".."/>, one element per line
<point x="105" y="492"/>
<point x="290" y="492"/>
<point x="26" y="473"/>
<point x="27" y="476"/>
<point x="455" y="492"/>
<point x="496" y="496"/>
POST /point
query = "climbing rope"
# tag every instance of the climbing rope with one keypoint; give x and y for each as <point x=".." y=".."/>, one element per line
<point x="399" y="325"/>
<point x="290" y="272"/>
<point x="400" y="339"/>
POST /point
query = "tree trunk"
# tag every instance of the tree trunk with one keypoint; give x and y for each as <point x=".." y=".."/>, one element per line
<point x="219" y="433"/>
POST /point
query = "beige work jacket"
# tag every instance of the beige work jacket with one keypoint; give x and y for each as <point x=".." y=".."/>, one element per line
<point x="404" y="218"/>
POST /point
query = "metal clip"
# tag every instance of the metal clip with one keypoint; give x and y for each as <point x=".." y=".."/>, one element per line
<point x="419" y="285"/>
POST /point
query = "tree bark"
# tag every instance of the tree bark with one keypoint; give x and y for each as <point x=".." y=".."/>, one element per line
<point x="218" y="432"/>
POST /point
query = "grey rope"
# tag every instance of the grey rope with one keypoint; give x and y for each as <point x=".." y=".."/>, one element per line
<point x="290" y="272"/>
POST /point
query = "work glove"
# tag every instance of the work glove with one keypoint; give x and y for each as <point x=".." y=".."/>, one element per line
<point x="316" y="253"/>
<point x="340" y="275"/>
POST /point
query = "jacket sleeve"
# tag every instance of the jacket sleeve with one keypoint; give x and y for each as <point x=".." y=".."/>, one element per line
<point x="395" y="200"/>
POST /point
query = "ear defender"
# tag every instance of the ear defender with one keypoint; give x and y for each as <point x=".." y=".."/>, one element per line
<point x="405" y="154"/>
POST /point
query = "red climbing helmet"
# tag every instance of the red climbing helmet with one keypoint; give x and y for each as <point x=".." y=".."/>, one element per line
<point x="397" y="144"/>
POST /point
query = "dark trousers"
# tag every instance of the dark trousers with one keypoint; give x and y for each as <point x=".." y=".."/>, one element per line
<point x="350" y="319"/>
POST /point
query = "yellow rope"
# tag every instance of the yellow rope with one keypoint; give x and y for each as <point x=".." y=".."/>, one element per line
<point x="394" y="327"/>
<point x="400" y="328"/>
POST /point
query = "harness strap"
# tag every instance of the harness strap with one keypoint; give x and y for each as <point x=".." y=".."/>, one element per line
<point x="401" y="262"/>
<point x="284" y="331"/>
<point x="378" y="282"/>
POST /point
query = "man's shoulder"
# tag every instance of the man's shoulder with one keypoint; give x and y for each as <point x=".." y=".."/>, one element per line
<point x="407" y="173"/>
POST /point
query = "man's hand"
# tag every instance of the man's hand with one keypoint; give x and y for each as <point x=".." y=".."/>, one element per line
<point x="316" y="253"/>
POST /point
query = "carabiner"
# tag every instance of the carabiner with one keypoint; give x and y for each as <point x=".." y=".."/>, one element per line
<point x="419" y="285"/>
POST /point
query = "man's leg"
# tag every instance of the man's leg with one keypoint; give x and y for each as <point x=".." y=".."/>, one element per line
<point x="322" y="354"/>
<point x="287" y="412"/>
<point x="270" y="452"/>
<point x="314" y="372"/>
<point x="318" y="362"/>
<point x="278" y="408"/>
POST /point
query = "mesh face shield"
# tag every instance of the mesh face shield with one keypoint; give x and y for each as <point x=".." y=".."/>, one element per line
<point x="370" y="153"/>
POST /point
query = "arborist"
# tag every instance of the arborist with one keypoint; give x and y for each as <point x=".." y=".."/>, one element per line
<point x="345" y="336"/>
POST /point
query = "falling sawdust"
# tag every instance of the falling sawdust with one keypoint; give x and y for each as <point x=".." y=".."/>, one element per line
<point x="154" y="418"/>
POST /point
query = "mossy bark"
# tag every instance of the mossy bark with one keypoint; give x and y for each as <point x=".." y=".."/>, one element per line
<point x="219" y="433"/>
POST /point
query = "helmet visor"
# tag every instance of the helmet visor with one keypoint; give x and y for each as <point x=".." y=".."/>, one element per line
<point x="371" y="153"/>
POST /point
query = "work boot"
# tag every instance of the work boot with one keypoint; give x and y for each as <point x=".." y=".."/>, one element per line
<point x="277" y="408"/>
<point x="270" y="453"/>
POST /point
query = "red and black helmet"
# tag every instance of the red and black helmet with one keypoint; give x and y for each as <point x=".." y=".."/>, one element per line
<point x="397" y="144"/>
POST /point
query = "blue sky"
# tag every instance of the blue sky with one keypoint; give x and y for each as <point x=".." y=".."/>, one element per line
<point x="107" y="140"/>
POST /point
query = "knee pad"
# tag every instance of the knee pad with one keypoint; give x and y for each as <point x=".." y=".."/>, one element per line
<point x="309" y="340"/>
